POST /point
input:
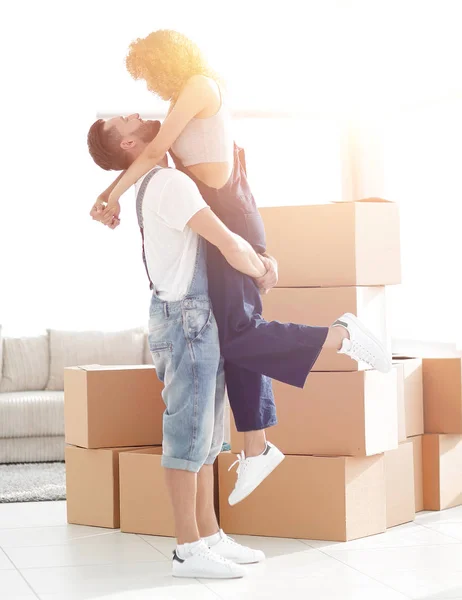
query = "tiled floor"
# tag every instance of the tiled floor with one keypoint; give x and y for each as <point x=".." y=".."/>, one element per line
<point x="42" y="557"/>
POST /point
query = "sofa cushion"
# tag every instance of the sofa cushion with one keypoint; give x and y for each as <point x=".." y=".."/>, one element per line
<point x="72" y="349"/>
<point x="32" y="449"/>
<point x="26" y="364"/>
<point x="1" y="354"/>
<point x="39" y="413"/>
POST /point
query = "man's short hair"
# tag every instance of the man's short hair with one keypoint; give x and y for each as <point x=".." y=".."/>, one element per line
<point x="104" y="147"/>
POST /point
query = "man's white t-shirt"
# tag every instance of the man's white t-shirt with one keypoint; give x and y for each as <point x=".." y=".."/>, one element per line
<point x="170" y="246"/>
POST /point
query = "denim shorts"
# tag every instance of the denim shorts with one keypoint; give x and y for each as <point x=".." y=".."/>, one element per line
<point x="184" y="344"/>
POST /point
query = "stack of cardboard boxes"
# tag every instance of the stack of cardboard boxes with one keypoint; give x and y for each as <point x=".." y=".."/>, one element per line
<point x="113" y="425"/>
<point x="357" y="458"/>
<point x="430" y="417"/>
<point x="442" y="442"/>
<point x="345" y="475"/>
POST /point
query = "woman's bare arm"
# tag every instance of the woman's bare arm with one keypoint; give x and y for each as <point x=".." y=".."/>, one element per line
<point x="193" y="99"/>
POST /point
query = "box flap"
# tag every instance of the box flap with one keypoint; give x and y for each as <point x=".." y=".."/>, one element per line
<point x="155" y="450"/>
<point x="363" y="200"/>
<point x="114" y="367"/>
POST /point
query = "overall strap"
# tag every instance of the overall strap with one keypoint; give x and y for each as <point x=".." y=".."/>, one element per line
<point x="141" y="192"/>
<point x="139" y="213"/>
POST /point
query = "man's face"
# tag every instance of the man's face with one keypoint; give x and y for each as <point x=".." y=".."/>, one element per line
<point x="132" y="130"/>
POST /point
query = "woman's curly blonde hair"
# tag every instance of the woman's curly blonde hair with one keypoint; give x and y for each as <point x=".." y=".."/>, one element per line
<point x="166" y="60"/>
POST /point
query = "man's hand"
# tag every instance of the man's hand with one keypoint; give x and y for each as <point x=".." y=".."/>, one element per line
<point x="270" y="278"/>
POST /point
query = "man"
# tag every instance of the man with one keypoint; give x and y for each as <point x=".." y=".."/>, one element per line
<point x="183" y="339"/>
<point x="182" y="329"/>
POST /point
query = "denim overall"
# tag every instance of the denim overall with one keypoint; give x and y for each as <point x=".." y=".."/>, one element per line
<point x="185" y="349"/>
<point x="254" y="350"/>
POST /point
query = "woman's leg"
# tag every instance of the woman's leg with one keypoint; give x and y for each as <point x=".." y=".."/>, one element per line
<point x="282" y="351"/>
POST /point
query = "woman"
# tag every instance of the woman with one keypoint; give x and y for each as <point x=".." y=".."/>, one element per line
<point x="198" y="133"/>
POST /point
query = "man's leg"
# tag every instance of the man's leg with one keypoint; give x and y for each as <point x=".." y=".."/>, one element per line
<point x="205" y="506"/>
<point x="182" y="487"/>
<point x="215" y="538"/>
<point x="185" y="349"/>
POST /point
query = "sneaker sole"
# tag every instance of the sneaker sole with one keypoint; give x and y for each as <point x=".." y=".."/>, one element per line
<point x="247" y="562"/>
<point x="370" y="335"/>
<point x="264" y="474"/>
<point x="191" y="575"/>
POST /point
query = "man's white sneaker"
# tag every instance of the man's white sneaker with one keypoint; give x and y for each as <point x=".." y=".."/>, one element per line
<point x="228" y="548"/>
<point x="362" y="344"/>
<point x="252" y="471"/>
<point x="199" y="561"/>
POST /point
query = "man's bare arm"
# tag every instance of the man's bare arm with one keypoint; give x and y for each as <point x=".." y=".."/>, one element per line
<point x="235" y="249"/>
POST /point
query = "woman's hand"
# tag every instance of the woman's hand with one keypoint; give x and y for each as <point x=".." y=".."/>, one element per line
<point x="106" y="210"/>
<point x="97" y="212"/>
<point x="110" y="212"/>
<point x="98" y="207"/>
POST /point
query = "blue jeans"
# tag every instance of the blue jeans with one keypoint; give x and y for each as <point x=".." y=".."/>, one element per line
<point x="185" y="347"/>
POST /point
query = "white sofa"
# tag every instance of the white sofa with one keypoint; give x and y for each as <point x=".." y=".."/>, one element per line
<point x="32" y="383"/>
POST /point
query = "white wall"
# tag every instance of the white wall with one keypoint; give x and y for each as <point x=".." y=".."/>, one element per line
<point x="64" y="64"/>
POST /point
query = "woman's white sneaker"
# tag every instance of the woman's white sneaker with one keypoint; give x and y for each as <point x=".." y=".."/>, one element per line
<point x="199" y="561"/>
<point x="253" y="470"/>
<point x="228" y="548"/>
<point x="362" y="345"/>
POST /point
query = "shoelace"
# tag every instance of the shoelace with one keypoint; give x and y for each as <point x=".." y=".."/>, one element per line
<point x="224" y="537"/>
<point x="208" y="554"/>
<point x="233" y="544"/>
<point x="362" y="352"/>
<point x="231" y="541"/>
<point x="240" y="462"/>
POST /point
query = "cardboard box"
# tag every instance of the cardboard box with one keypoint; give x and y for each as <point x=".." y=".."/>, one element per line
<point x="442" y="471"/>
<point x="309" y="497"/>
<point x="92" y="486"/>
<point x="410" y="396"/>
<point x="418" y="472"/>
<point x="145" y="505"/>
<point x="335" y="414"/>
<point x="109" y="407"/>
<point x="329" y="245"/>
<point x="399" y="479"/>
<point x="321" y="307"/>
<point x="442" y="378"/>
